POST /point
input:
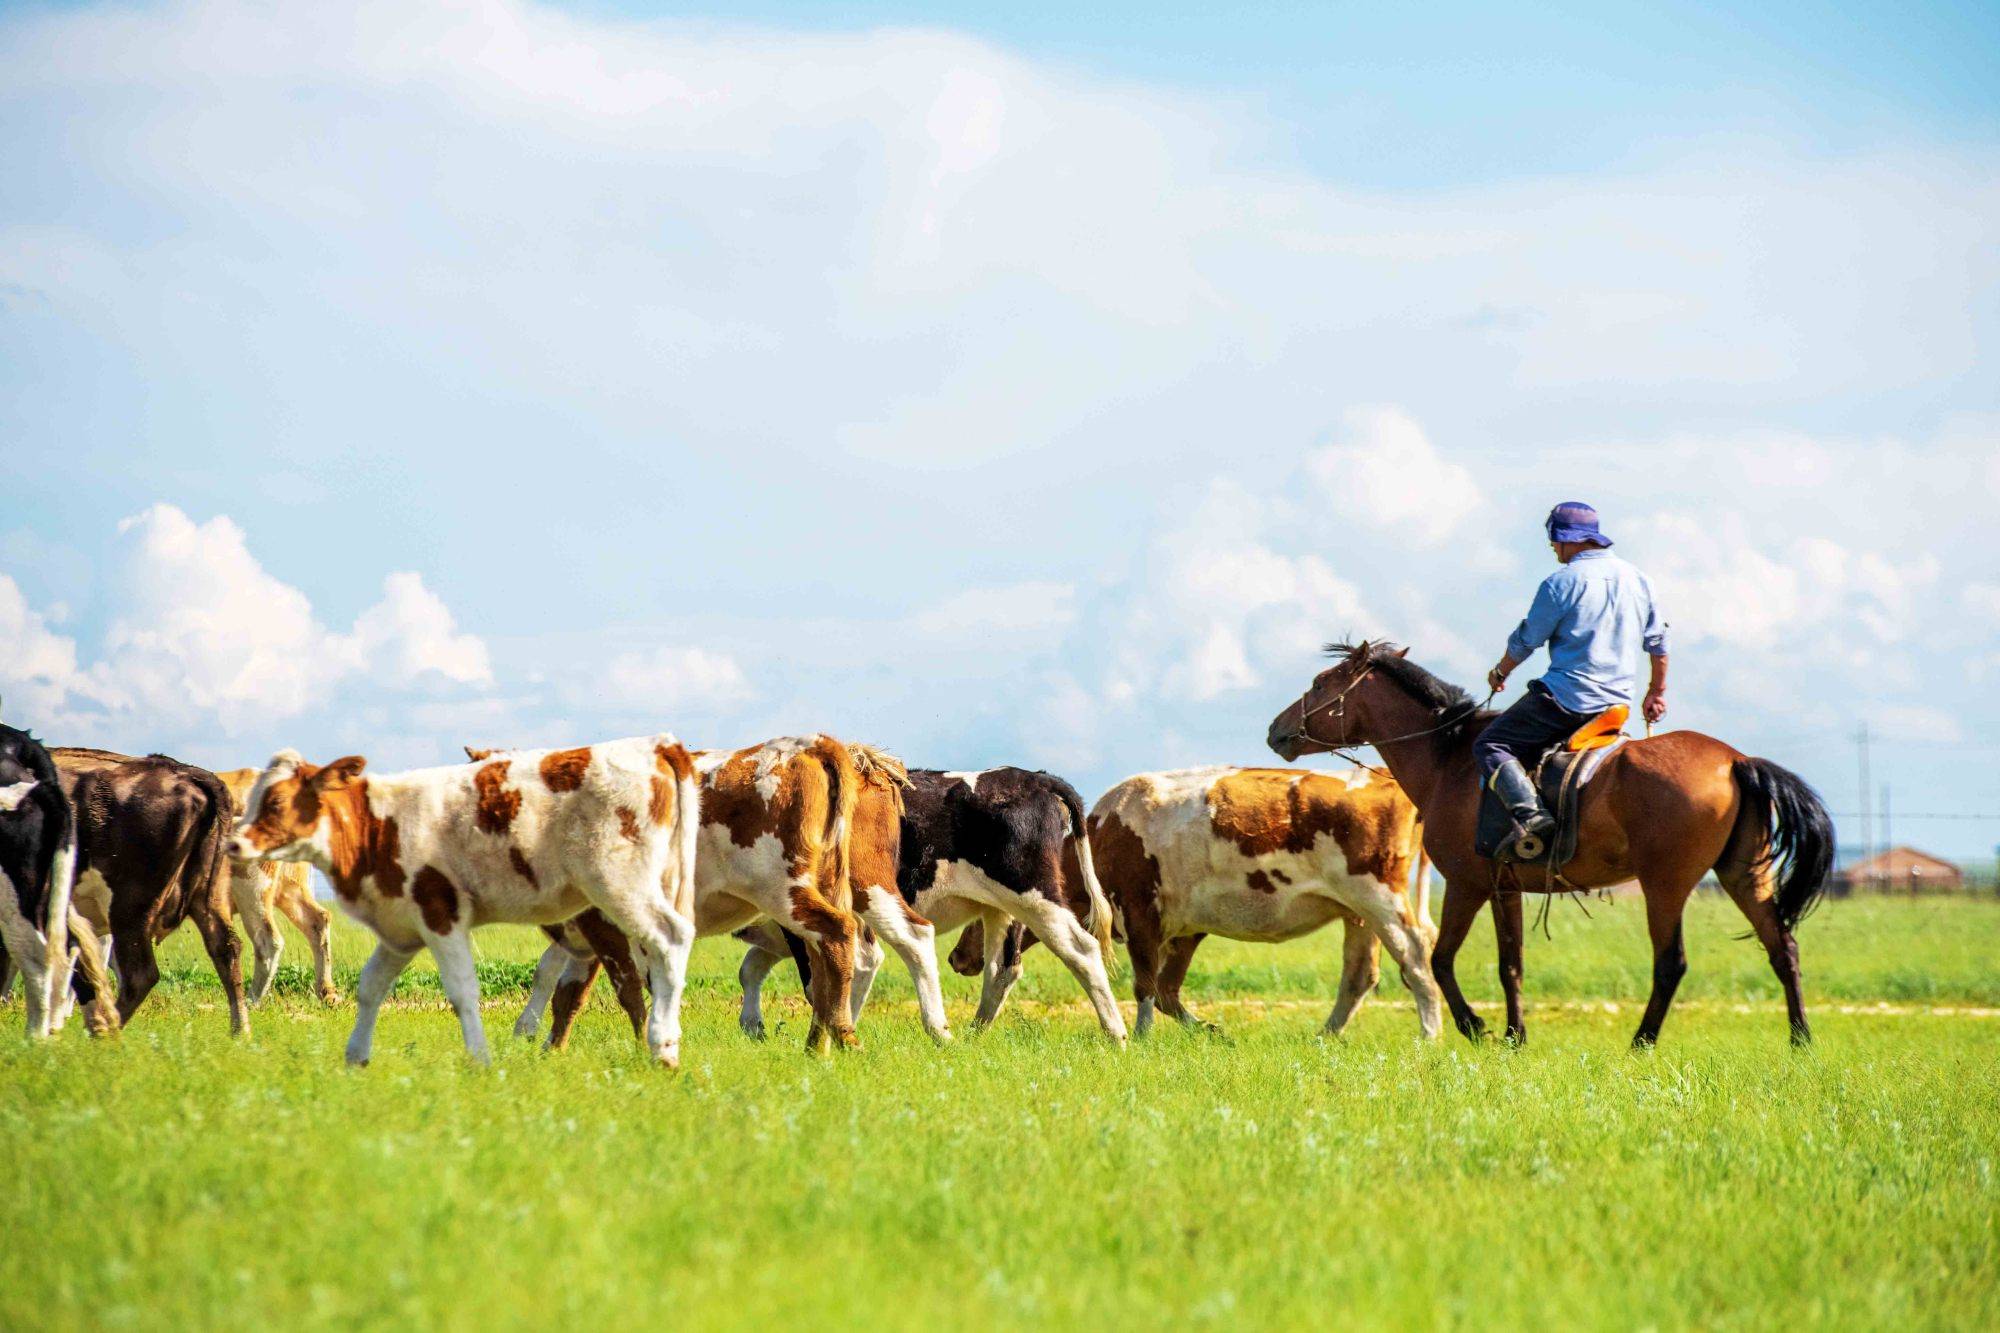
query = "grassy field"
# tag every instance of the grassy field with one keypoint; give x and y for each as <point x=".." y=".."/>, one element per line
<point x="1031" y="1175"/>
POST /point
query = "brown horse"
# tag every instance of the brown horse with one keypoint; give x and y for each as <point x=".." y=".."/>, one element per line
<point x="1666" y="809"/>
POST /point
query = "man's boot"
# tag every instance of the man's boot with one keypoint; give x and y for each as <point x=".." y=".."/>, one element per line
<point x="1532" y="824"/>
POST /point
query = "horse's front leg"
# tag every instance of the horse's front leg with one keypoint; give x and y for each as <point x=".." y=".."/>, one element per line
<point x="1508" y="934"/>
<point x="1462" y="901"/>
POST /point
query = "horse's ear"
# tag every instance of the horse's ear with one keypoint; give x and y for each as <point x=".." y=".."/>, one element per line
<point x="1402" y="652"/>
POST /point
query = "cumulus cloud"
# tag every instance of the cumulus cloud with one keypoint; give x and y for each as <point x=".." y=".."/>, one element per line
<point x="1384" y="475"/>
<point x="37" y="665"/>
<point x="198" y="630"/>
<point x="668" y="679"/>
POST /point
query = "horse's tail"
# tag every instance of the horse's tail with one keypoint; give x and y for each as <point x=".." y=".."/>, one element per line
<point x="1798" y="833"/>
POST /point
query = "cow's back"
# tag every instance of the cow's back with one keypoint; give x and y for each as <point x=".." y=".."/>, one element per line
<point x="138" y="822"/>
<point x="1249" y="852"/>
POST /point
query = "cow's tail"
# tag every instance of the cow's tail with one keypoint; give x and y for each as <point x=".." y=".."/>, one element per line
<point x="205" y="873"/>
<point x="1420" y="886"/>
<point x="686" y="829"/>
<point x="62" y="886"/>
<point x="844" y="777"/>
<point x="1797" y="833"/>
<point x="1099" y="920"/>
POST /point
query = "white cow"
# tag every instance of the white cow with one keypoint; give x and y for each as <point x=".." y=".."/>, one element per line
<point x="534" y="836"/>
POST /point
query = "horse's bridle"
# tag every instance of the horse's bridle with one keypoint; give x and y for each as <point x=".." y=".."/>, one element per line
<point x="1339" y="703"/>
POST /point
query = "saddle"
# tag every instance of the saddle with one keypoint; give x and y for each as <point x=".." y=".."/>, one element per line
<point x="1560" y="776"/>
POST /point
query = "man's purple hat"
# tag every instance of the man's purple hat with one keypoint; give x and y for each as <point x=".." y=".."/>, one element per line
<point x="1575" y="521"/>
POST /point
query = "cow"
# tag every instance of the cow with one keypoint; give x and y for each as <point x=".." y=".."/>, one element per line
<point x="1004" y="847"/>
<point x="259" y="890"/>
<point x="1262" y="854"/>
<point x="37" y="876"/>
<point x="534" y="837"/>
<point x="152" y="852"/>
<point x="801" y="830"/>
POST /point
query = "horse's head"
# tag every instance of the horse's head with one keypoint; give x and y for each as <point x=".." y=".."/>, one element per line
<point x="1330" y="715"/>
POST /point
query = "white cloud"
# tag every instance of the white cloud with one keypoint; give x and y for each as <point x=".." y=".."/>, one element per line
<point x="37" y="665"/>
<point x="667" y="679"/>
<point x="197" y="630"/>
<point x="410" y="633"/>
<point x="1385" y="475"/>
<point x="995" y="615"/>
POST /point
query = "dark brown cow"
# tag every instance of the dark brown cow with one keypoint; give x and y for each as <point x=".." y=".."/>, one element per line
<point x="152" y="852"/>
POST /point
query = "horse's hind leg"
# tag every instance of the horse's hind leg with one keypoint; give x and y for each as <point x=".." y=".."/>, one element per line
<point x="1508" y="936"/>
<point x="1664" y="909"/>
<point x="1751" y="888"/>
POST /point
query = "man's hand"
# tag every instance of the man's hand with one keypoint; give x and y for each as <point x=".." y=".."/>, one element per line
<point x="1496" y="679"/>
<point x="1655" y="706"/>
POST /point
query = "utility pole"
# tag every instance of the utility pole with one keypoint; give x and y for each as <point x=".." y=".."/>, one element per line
<point x="1887" y="841"/>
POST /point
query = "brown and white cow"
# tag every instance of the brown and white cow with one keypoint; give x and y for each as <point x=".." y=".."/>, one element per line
<point x="1000" y="846"/>
<point x="259" y="890"/>
<point x="801" y="830"/>
<point x="534" y="836"/>
<point x="1262" y="854"/>
<point x="152" y="852"/>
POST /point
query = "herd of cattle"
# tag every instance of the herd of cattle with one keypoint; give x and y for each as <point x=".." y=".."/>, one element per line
<point x="626" y="851"/>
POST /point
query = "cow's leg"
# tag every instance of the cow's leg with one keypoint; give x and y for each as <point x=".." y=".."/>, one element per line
<point x="914" y="939"/>
<point x="1144" y="944"/>
<point x="867" y="962"/>
<point x="572" y="989"/>
<point x="460" y="975"/>
<point x="87" y="980"/>
<point x="246" y="896"/>
<point x="226" y="952"/>
<point x="378" y="977"/>
<point x="1002" y="969"/>
<point x="1173" y="971"/>
<point x="828" y="933"/>
<point x="316" y="924"/>
<point x="1056" y="926"/>
<point x="27" y="947"/>
<point x="138" y="971"/>
<point x="7" y="971"/>
<point x="1405" y="943"/>
<point x="765" y="949"/>
<point x="1360" y="969"/>
<point x="614" y="951"/>
<point x="548" y="971"/>
<point x="660" y="940"/>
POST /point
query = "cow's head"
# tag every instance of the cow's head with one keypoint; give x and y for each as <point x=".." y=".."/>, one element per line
<point x="286" y="816"/>
<point x="14" y="794"/>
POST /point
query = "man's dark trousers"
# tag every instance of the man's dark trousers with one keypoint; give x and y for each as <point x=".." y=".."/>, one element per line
<point x="1527" y="729"/>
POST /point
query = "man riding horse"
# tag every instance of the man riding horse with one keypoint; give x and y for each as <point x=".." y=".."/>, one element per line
<point x="1592" y="613"/>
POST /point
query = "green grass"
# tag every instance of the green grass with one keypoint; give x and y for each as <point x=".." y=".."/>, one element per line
<point x="1031" y="1175"/>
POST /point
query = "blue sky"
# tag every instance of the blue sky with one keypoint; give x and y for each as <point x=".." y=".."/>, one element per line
<point x="1000" y="386"/>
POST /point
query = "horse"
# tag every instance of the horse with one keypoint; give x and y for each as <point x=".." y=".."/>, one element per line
<point x="1666" y="810"/>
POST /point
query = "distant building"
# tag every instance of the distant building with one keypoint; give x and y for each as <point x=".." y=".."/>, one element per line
<point x="1901" y="869"/>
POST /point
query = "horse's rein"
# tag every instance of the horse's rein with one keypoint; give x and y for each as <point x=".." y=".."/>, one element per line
<point x="1305" y="728"/>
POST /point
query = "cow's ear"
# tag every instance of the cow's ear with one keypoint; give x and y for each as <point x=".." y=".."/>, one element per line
<point x="13" y="794"/>
<point x="340" y="770"/>
<point x="476" y="753"/>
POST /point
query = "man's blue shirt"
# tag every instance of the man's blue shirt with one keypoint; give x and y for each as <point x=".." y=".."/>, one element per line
<point x="1595" y="614"/>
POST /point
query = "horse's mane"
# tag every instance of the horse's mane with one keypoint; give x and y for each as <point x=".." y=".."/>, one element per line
<point x="1459" y="717"/>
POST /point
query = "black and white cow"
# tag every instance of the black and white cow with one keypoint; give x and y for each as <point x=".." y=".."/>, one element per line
<point x="37" y="875"/>
<point x="1000" y="845"/>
